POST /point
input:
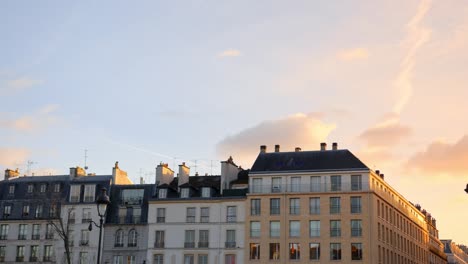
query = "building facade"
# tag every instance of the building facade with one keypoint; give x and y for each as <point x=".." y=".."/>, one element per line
<point x="456" y="254"/>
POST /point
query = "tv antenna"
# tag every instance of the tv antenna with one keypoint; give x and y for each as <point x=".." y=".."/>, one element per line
<point x="85" y="158"/>
<point x="29" y="165"/>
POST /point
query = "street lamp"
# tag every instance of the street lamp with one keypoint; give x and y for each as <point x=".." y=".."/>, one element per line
<point x="101" y="202"/>
<point x="466" y="189"/>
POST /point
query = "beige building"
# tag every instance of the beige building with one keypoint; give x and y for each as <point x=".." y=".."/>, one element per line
<point x="328" y="206"/>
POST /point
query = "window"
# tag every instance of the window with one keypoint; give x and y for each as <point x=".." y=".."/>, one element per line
<point x="356" y="204"/>
<point x="162" y="193"/>
<point x="190" y="218"/>
<point x="30" y="188"/>
<point x="6" y="211"/>
<point x="294" y="228"/>
<point x="159" y="239"/>
<point x="206" y="192"/>
<point x="2" y="253"/>
<point x="254" y="251"/>
<point x="189" y="241"/>
<point x="86" y="217"/>
<point x="25" y="210"/>
<point x="276" y="184"/>
<point x="43" y="188"/>
<point x="275" y="229"/>
<point x="34" y="253"/>
<point x="38" y="213"/>
<point x="19" y="253"/>
<point x="75" y="193"/>
<point x="4" y="232"/>
<point x="57" y="187"/>
<point x="314" y="205"/>
<point x="53" y="210"/>
<point x="335" y="251"/>
<point x="188" y="259"/>
<point x="158" y="259"/>
<point x="335" y="228"/>
<point x="203" y="238"/>
<point x="11" y="189"/>
<point x="294" y="251"/>
<point x="132" y="238"/>
<point x="335" y="183"/>
<point x="71" y="238"/>
<point x="36" y="232"/>
<point x="49" y="231"/>
<point x="295" y="184"/>
<point x="89" y="193"/>
<point x="274" y="206"/>
<point x="23" y="232"/>
<point x="314" y="227"/>
<point x="48" y="253"/>
<point x="230" y="259"/>
<point x="356" y="251"/>
<point x="315" y="184"/>
<point x="131" y="260"/>
<point x="84" y="258"/>
<point x="294" y="206"/>
<point x="84" y="237"/>
<point x="119" y="236"/>
<point x="160" y="215"/>
<point x="356" y="228"/>
<point x="118" y="260"/>
<point x="255" y="207"/>
<point x="314" y="251"/>
<point x="256" y="185"/>
<point x="71" y="216"/>
<point x="204" y="215"/>
<point x="231" y="214"/>
<point x="230" y="239"/>
<point x="184" y="193"/>
<point x="335" y="205"/>
<point x="254" y="229"/>
<point x="202" y="259"/>
<point x="275" y="251"/>
<point x="356" y="182"/>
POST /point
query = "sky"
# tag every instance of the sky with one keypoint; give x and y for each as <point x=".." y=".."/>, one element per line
<point x="199" y="81"/>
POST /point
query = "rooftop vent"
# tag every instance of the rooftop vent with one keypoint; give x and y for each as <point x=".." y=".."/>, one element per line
<point x="297" y="149"/>
<point x="323" y="146"/>
<point x="277" y="148"/>
<point x="263" y="149"/>
<point x="335" y="146"/>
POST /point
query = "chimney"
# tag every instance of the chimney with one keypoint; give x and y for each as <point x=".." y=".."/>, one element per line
<point x="11" y="173"/>
<point x="382" y="176"/>
<point x="163" y="174"/>
<point x="229" y="172"/>
<point x="335" y="146"/>
<point x="297" y="149"/>
<point x="262" y="149"/>
<point x="277" y="148"/>
<point x="323" y="146"/>
<point x="377" y="172"/>
<point x="184" y="173"/>
<point x="72" y="172"/>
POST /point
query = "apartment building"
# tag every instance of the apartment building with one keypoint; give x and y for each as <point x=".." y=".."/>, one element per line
<point x="328" y="206"/>
<point x="456" y="254"/>
<point x="198" y="219"/>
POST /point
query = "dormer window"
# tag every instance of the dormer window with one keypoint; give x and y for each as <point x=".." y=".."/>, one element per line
<point x="184" y="193"/>
<point x="57" y="187"/>
<point x="30" y="188"/>
<point x="162" y="194"/>
<point x="25" y="210"/>
<point x="206" y="192"/>
<point x="43" y="188"/>
<point x="11" y="190"/>
<point x="7" y="210"/>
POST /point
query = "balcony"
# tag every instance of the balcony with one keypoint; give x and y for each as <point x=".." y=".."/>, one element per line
<point x="22" y="237"/>
<point x="203" y="244"/>
<point x="159" y="245"/>
<point x="3" y="237"/>
<point x="36" y="237"/>
<point x="231" y="219"/>
<point x="33" y="259"/>
<point x="2" y="259"/>
<point x="130" y="219"/>
<point x="230" y="244"/>
<point x="189" y="244"/>
<point x="49" y="235"/>
<point x="48" y="259"/>
<point x="305" y="188"/>
<point x="20" y="259"/>
<point x="86" y="220"/>
<point x="84" y="242"/>
<point x="160" y="219"/>
<point x="120" y="244"/>
<point x="132" y="244"/>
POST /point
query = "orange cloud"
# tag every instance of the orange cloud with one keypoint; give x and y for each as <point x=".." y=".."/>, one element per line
<point x="229" y="53"/>
<point x="442" y="158"/>
<point x="32" y="122"/>
<point x="353" y="54"/>
<point x="18" y="84"/>
<point x="13" y="157"/>
<point x="388" y="132"/>
<point x="299" y="130"/>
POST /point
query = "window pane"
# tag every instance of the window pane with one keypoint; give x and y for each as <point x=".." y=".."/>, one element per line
<point x="314" y="251"/>
<point x="315" y="184"/>
<point x="274" y="228"/>
<point x="294" y="206"/>
<point x="294" y="228"/>
<point x="335" y="251"/>
<point x="254" y="229"/>
<point x="356" y="205"/>
<point x="335" y="205"/>
<point x="254" y="251"/>
<point x="314" y="205"/>
<point x="356" y="228"/>
<point x="295" y="184"/>
<point x="356" y="251"/>
<point x="356" y="182"/>
<point x="274" y="206"/>
<point x="255" y="207"/>
<point x="275" y="251"/>
<point x="314" y="228"/>
<point x="335" y="228"/>
<point x="335" y="183"/>
<point x="294" y="251"/>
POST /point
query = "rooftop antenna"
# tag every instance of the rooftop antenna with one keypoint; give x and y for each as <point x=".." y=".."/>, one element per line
<point x="211" y="161"/>
<point x="85" y="158"/>
<point x="196" y="166"/>
<point x="29" y="165"/>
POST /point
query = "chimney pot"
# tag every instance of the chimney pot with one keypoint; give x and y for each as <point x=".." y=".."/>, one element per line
<point x="263" y="149"/>
<point x="377" y="172"/>
<point x="323" y="146"/>
<point x="277" y="148"/>
<point x="335" y="146"/>
<point x="297" y="149"/>
<point x="382" y="176"/>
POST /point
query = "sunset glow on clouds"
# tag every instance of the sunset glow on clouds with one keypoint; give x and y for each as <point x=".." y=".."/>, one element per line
<point x="198" y="83"/>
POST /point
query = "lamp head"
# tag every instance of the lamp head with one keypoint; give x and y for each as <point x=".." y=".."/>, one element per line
<point x="102" y="202"/>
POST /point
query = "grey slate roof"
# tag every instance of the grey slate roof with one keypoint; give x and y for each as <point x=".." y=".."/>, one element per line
<point x="327" y="160"/>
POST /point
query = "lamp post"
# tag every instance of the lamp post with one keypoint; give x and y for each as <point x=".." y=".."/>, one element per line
<point x="101" y="202"/>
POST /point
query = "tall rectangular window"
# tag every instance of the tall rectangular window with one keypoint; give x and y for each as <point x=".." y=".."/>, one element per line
<point x="25" y="210"/>
<point x="204" y="215"/>
<point x="294" y="206"/>
<point x="38" y="213"/>
<point x="206" y="192"/>
<point x="335" y="251"/>
<point x="356" y="204"/>
<point x="49" y="231"/>
<point x="314" y="251"/>
<point x="255" y="208"/>
<point x="11" y="189"/>
<point x="295" y="184"/>
<point x="57" y="187"/>
<point x="23" y="232"/>
<point x="314" y="205"/>
<point x="356" y="228"/>
<point x="6" y="211"/>
<point x="276" y="184"/>
<point x="335" y="228"/>
<point x="230" y="259"/>
<point x="189" y="241"/>
<point x="30" y="188"/>
<point x="48" y="253"/>
<point x="75" y="193"/>
<point x="53" y="210"/>
<point x="43" y="188"/>
<point x="34" y="253"/>
<point x="254" y="229"/>
<point x="161" y="215"/>
<point x="203" y="238"/>
<point x="256" y="185"/>
<point x="315" y="184"/>
<point x="159" y="239"/>
<point x="117" y="259"/>
<point x="2" y="253"/>
<point x="335" y="183"/>
<point x="254" y="251"/>
<point x="274" y="206"/>
<point x="184" y="193"/>
<point x="356" y="251"/>
<point x="294" y="251"/>
<point x="230" y="239"/>
<point x="36" y="232"/>
<point x="131" y="260"/>
<point x="275" y="228"/>
<point x="158" y="259"/>
<point x="231" y="214"/>
<point x="190" y="218"/>
<point x="314" y="226"/>
<point x="84" y="237"/>
<point x="162" y="193"/>
<point x="202" y="259"/>
<point x="188" y="259"/>
<point x="4" y="231"/>
<point x="86" y="215"/>
<point x="19" y="253"/>
<point x="335" y="205"/>
<point x="83" y="257"/>
<point x="89" y="193"/>
<point x="294" y="228"/>
<point x="274" y="251"/>
<point x="356" y="182"/>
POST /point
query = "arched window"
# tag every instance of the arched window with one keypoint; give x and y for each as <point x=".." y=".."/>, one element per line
<point x="132" y="238"/>
<point x="119" y="235"/>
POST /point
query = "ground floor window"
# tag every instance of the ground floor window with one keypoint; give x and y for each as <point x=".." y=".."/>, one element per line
<point x="356" y="251"/>
<point x="314" y="251"/>
<point x="294" y="251"/>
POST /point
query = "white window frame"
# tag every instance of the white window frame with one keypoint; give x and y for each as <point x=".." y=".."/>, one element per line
<point x="89" y="193"/>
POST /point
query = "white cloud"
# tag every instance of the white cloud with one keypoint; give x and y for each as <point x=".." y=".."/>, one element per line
<point x="35" y="121"/>
<point x="19" y="84"/>
<point x="353" y="54"/>
<point x="229" y="53"/>
<point x="13" y="157"/>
